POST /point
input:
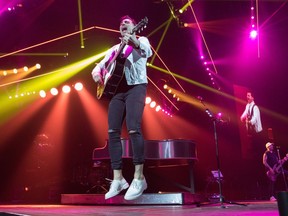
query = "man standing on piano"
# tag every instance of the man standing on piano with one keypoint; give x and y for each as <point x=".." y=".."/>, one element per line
<point x="128" y="102"/>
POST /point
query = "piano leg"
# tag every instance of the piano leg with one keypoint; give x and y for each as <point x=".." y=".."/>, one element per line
<point x="191" y="176"/>
<point x="191" y="187"/>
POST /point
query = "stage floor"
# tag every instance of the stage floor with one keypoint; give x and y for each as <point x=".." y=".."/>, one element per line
<point x="254" y="208"/>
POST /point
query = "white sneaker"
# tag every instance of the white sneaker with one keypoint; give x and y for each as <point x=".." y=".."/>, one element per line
<point x="272" y="198"/>
<point x="136" y="189"/>
<point x="116" y="187"/>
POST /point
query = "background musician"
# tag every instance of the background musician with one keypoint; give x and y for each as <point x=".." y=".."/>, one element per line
<point x="273" y="165"/>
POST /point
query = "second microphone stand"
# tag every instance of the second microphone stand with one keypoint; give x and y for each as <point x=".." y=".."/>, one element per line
<point x="216" y="120"/>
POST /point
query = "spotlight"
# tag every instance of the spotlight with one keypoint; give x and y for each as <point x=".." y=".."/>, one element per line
<point x="42" y="94"/>
<point x="54" y="91"/>
<point x="38" y="66"/>
<point x="253" y="34"/>
<point x="158" y="108"/>
<point x="78" y="86"/>
<point x="152" y="104"/>
<point x="66" y="89"/>
<point x="148" y="100"/>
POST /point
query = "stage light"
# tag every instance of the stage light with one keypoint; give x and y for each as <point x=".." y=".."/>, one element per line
<point x="148" y="100"/>
<point x="78" y="86"/>
<point x="66" y="89"/>
<point x="15" y="71"/>
<point x="54" y="91"/>
<point x="184" y="8"/>
<point x="38" y="66"/>
<point x="42" y="94"/>
<point x="253" y="34"/>
<point x="5" y="73"/>
<point x="152" y="104"/>
<point x="25" y="68"/>
<point x="158" y="108"/>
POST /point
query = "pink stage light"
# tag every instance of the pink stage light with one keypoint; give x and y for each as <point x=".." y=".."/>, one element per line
<point x="253" y="34"/>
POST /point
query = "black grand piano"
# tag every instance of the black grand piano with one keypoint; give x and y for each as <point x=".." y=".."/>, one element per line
<point x="168" y="154"/>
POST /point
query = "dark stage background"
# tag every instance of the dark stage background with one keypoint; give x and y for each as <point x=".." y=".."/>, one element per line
<point x="30" y="171"/>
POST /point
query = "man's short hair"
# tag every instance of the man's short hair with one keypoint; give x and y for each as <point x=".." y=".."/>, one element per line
<point x="251" y="92"/>
<point x="128" y="17"/>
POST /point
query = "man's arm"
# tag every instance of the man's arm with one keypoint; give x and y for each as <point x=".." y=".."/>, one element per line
<point x="266" y="164"/>
<point x="244" y="114"/>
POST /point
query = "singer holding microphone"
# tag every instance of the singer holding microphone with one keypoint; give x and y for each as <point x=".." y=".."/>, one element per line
<point x="128" y="103"/>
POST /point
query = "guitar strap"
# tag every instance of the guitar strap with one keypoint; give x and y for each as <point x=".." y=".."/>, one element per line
<point x="250" y="112"/>
<point x="120" y="61"/>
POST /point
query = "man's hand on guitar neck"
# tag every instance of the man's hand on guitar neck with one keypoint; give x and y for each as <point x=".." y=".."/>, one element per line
<point x="130" y="39"/>
<point x="272" y="172"/>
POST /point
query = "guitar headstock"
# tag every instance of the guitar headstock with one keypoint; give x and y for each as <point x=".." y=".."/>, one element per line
<point x="141" y="25"/>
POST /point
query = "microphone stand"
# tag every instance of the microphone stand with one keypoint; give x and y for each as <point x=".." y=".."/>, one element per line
<point x="215" y="121"/>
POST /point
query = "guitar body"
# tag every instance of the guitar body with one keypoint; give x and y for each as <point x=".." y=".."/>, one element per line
<point x="272" y="176"/>
<point x="112" y="77"/>
<point x="276" y="169"/>
<point x="250" y="128"/>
